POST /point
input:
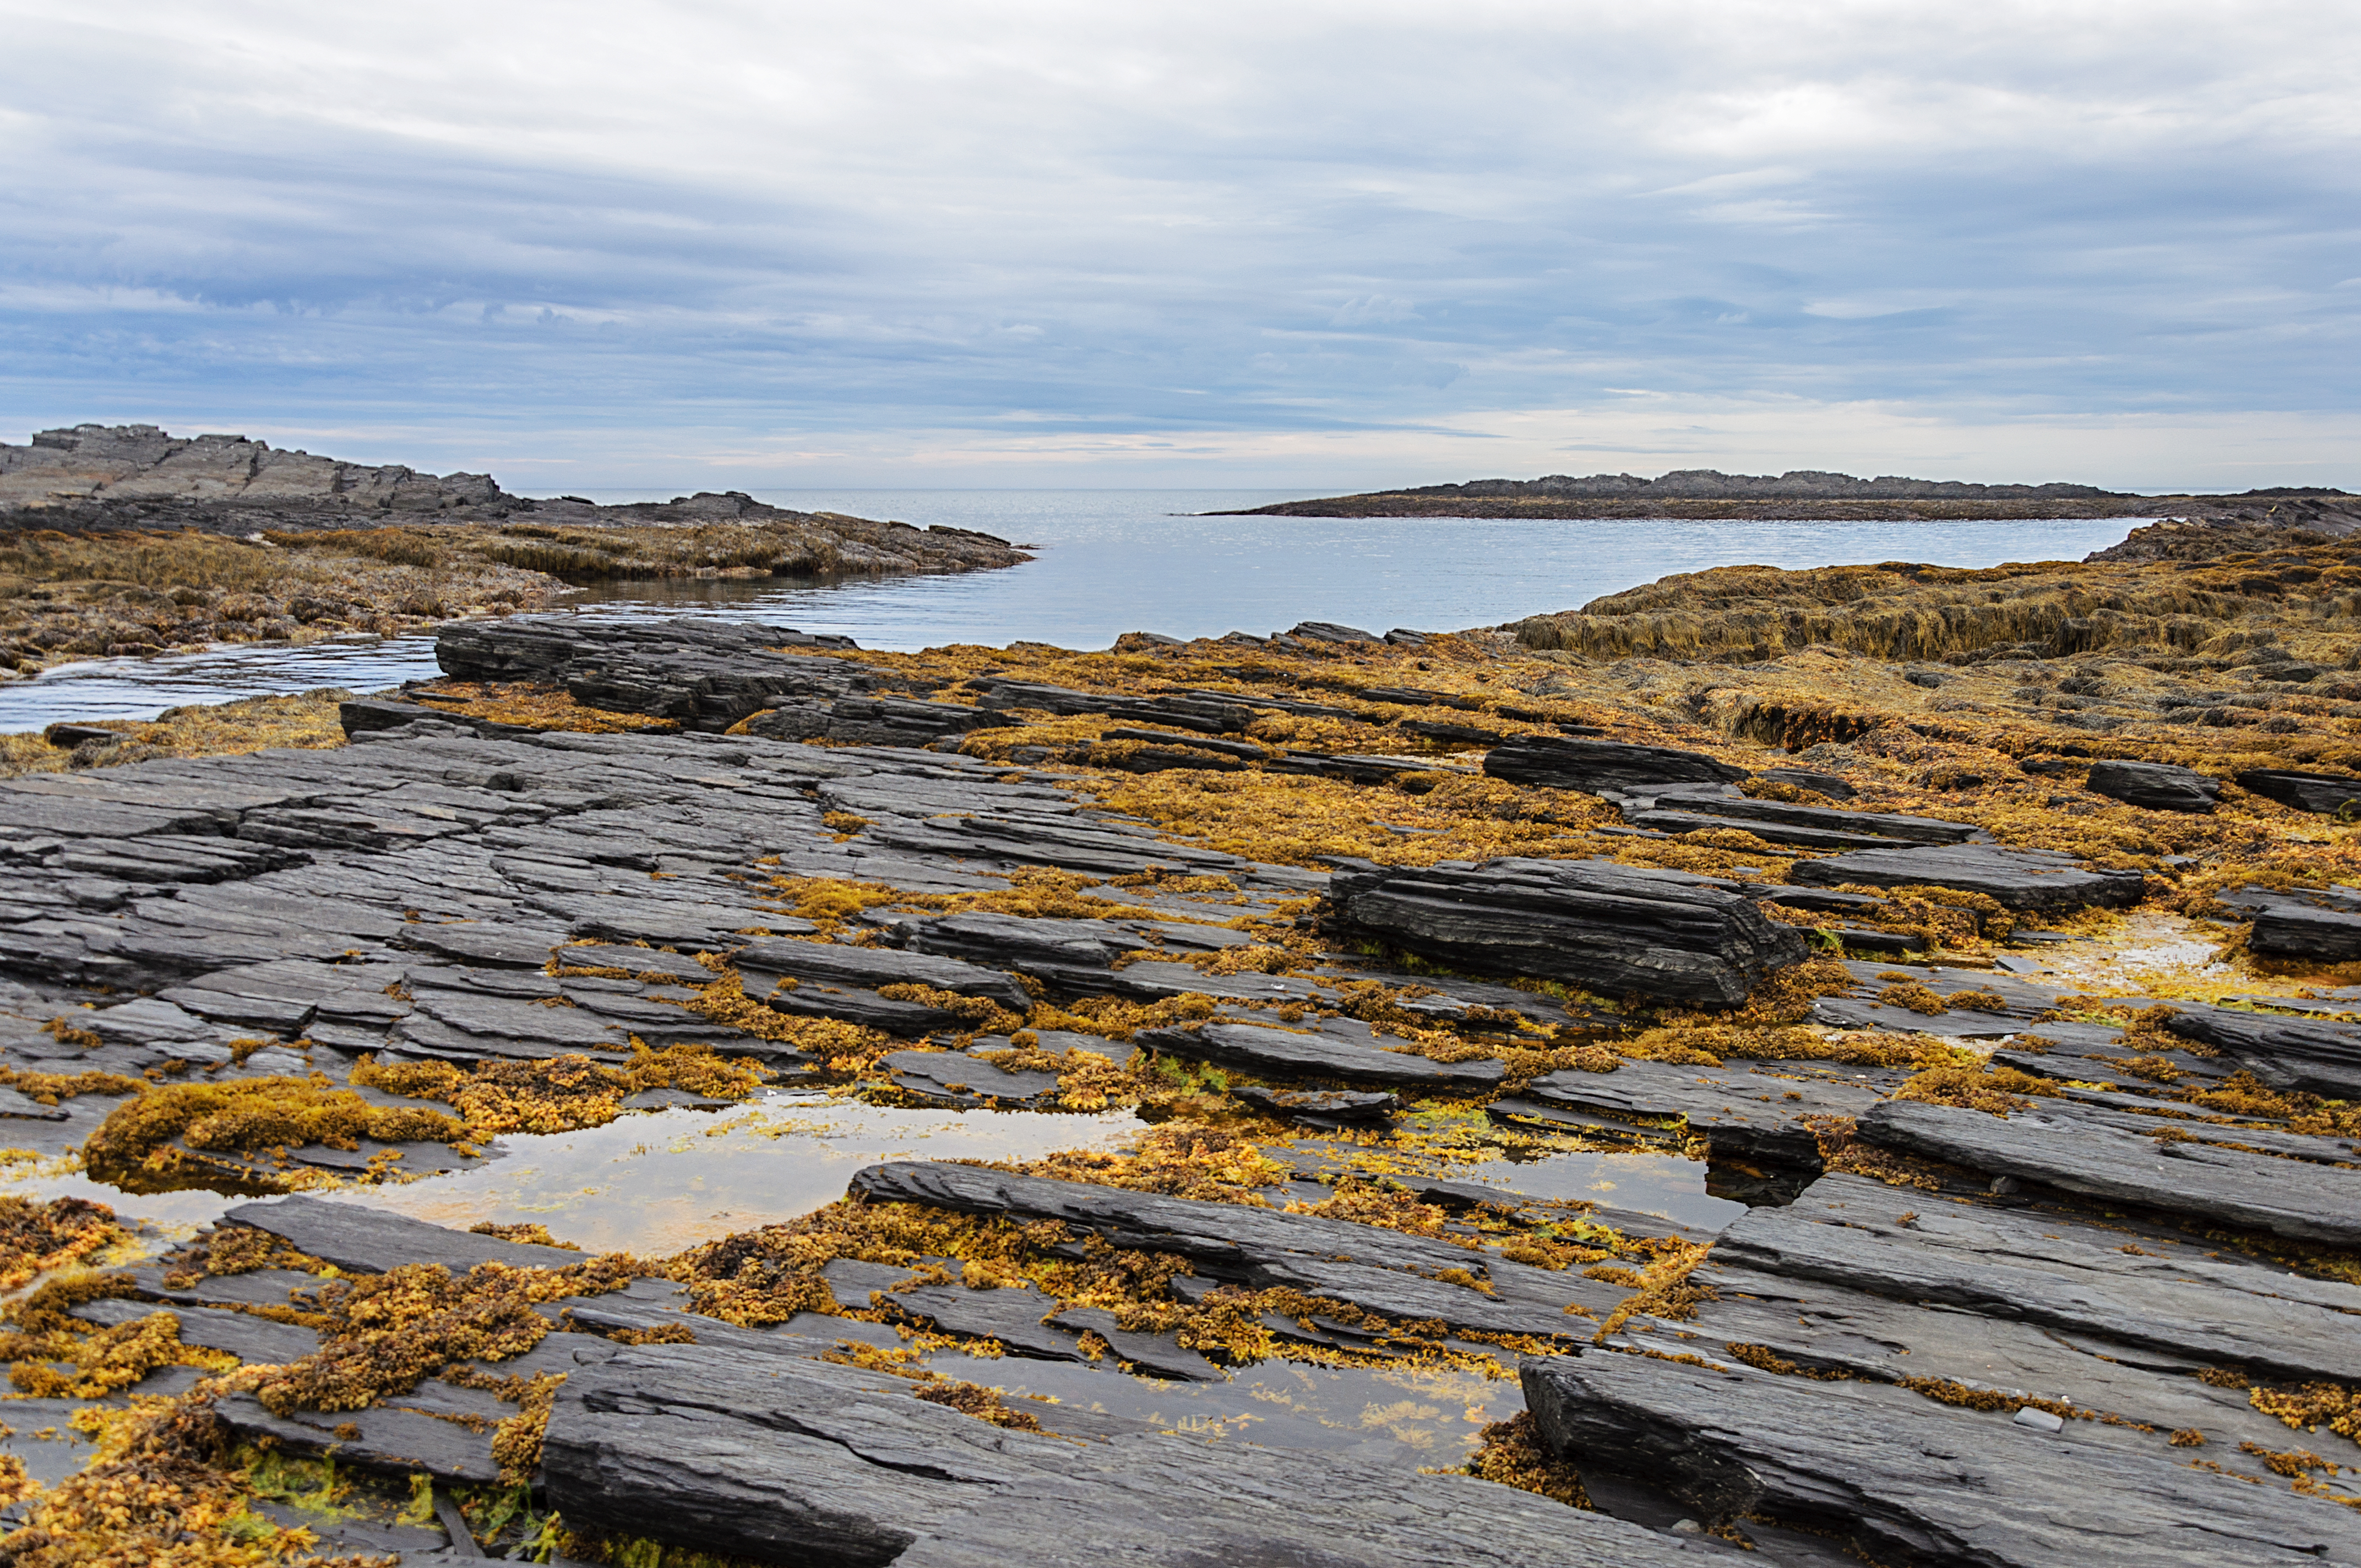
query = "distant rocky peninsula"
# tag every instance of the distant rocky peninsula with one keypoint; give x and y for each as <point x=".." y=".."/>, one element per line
<point x="121" y="540"/>
<point x="1706" y="493"/>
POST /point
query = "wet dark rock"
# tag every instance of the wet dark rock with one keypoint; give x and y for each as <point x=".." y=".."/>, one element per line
<point x="879" y="965"/>
<point x="1903" y="1480"/>
<point x="1011" y="1316"/>
<point x="384" y="1439"/>
<point x="1820" y="899"/>
<point x="1289" y="1054"/>
<point x="860" y="1005"/>
<point x="958" y="1079"/>
<point x="1158" y="1355"/>
<point x="2073" y="1152"/>
<point x="1607" y="928"/>
<point x="1330" y="631"/>
<point x="2185" y="1298"/>
<point x="1757" y="1116"/>
<point x="838" y="1467"/>
<point x="2157" y="786"/>
<point x="370" y="1241"/>
<point x="2307" y="1056"/>
<point x="1262" y="1248"/>
<point x="1592" y="766"/>
<point x="261" y="1341"/>
<point x="2326" y="794"/>
<point x="1323" y="1107"/>
<point x="2034" y="880"/>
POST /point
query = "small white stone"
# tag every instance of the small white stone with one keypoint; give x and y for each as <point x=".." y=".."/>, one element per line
<point x="2041" y="1421"/>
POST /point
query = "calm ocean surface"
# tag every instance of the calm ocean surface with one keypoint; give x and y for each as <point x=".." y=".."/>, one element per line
<point x="1117" y="561"/>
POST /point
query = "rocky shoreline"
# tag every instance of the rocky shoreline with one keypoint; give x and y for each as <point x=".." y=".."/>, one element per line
<point x="125" y="541"/>
<point x="1704" y="495"/>
<point x="2051" y="1250"/>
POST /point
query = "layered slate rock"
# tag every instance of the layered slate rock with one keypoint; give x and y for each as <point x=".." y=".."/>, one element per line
<point x="1607" y="928"/>
<point x="871" y="721"/>
<point x="2157" y="786"/>
<point x="1753" y="1115"/>
<point x="874" y="967"/>
<point x="805" y="1462"/>
<point x="2032" y="881"/>
<point x="2167" y="1170"/>
<point x="2182" y="1299"/>
<point x="1785" y="822"/>
<point x="1378" y="1270"/>
<point x="1568" y="762"/>
<point x="1308" y="1053"/>
<point x="370" y="1241"/>
<point x="2307" y="1056"/>
<point x="1903" y="1480"/>
<point x="2326" y="794"/>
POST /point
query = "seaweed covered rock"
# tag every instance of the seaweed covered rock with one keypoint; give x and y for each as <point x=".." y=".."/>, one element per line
<point x="2029" y="880"/>
<point x="1607" y="928"/>
<point x="1571" y="762"/>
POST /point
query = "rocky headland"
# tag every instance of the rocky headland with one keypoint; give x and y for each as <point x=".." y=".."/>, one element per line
<point x="1706" y="494"/>
<point x="1990" y="937"/>
<point x="124" y="540"/>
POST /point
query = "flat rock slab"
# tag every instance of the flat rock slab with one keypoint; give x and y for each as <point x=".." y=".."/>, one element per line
<point x="1607" y="928"/>
<point x="2178" y="1297"/>
<point x="958" y="1079"/>
<point x="2305" y="1055"/>
<point x="1012" y="1317"/>
<point x="403" y="1442"/>
<point x="2033" y="880"/>
<point x="1158" y="1355"/>
<point x="802" y="1462"/>
<point x="1286" y="1053"/>
<point x="2156" y="786"/>
<point x="1592" y="766"/>
<point x="2061" y="1149"/>
<point x="635" y="962"/>
<point x="255" y="1341"/>
<point x="874" y="967"/>
<point x="1380" y="1270"/>
<point x="2326" y="794"/>
<point x="1904" y="1480"/>
<point x="1319" y="1106"/>
<point x="1755" y="1115"/>
<point x="370" y="1241"/>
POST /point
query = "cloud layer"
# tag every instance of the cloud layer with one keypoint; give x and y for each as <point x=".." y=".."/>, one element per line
<point x="616" y="243"/>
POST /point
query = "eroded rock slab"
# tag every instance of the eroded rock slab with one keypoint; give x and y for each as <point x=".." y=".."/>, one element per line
<point x="1904" y="1480"/>
<point x="1607" y="928"/>
<point x="2059" y="1147"/>
<point x="1568" y="762"/>
<point x="812" y="1464"/>
<point x="1289" y="1053"/>
<point x="2310" y="1055"/>
<point x="370" y="1241"/>
<point x="2036" y="881"/>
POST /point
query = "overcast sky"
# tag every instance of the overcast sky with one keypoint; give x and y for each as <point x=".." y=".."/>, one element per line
<point x="1314" y="247"/>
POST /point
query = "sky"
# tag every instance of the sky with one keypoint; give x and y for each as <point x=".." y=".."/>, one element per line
<point x="1313" y="247"/>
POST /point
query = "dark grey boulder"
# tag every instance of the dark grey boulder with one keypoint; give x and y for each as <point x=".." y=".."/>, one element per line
<point x="2061" y="1148"/>
<point x="2157" y="786"/>
<point x="1607" y="928"/>
<point x="2033" y="881"/>
<point x="2326" y="794"/>
<point x="1755" y="1115"/>
<point x="1903" y="1480"/>
<point x="1566" y="762"/>
<point x="1288" y="1053"/>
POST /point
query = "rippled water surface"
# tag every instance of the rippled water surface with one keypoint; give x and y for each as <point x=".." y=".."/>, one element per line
<point x="1117" y="561"/>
